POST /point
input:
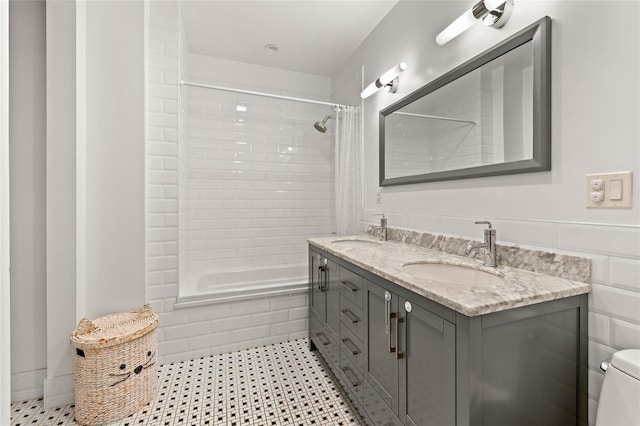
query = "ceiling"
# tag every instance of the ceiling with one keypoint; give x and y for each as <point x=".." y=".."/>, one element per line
<point x="315" y="37"/>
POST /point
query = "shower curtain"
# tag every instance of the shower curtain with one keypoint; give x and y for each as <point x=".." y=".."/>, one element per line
<point x="348" y="170"/>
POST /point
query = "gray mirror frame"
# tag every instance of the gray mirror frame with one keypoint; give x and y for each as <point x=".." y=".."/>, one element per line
<point x="540" y="35"/>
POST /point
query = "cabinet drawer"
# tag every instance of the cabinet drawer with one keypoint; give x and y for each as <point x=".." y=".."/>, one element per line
<point x="351" y="379"/>
<point x="325" y="342"/>
<point x="351" y="285"/>
<point x="353" y="348"/>
<point x="352" y="318"/>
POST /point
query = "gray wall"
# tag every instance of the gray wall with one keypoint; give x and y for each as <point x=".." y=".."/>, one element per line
<point x="27" y="184"/>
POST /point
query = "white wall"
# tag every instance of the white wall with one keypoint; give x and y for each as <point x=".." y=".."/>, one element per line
<point x="115" y="157"/>
<point x="95" y="160"/>
<point x="5" y="317"/>
<point x="61" y="199"/>
<point x="595" y="104"/>
<point x="27" y="156"/>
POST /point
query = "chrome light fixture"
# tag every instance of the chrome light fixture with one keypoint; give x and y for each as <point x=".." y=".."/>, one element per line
<point x="492" y="13"/>
<point x="389" y="80"/>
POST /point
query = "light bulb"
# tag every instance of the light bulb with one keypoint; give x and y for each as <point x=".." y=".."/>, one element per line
<point x="388" y="76"/>
<point x="460" y="25"/>
<point x="384" y="79"/>
<point x="369" y="90"/>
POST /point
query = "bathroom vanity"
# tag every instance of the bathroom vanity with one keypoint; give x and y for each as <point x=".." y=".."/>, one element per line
<point x="423" y="337"/>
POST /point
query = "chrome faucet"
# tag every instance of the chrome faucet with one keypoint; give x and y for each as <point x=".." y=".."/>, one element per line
<point x="489" y="245"/>
<point x="383" y="226"/>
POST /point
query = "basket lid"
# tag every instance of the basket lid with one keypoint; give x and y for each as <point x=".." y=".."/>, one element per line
<point x="114" y="329"/>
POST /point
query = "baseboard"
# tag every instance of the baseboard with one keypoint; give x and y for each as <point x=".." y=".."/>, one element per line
<point x="58" y="391"/>
<point x="28" y="385"/>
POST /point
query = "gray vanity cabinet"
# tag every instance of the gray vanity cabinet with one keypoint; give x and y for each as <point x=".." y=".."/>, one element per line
<point x="410" y="363"/>
<point x="407" y="361"/>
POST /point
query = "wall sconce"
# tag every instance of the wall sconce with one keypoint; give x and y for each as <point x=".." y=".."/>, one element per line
<point x="493" y="13"/>
<point x="389" y="80"/>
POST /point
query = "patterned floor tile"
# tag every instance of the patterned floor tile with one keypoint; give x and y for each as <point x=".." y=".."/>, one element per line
<point x="276" y="385"/>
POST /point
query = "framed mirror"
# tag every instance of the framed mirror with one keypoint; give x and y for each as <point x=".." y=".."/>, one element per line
<point x="489" y="116"/>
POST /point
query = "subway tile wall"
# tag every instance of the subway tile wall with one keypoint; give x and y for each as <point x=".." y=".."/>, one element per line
<point x="286" y="178"/>
<point x="258" y="181"/>
<point x="451" y="144"/>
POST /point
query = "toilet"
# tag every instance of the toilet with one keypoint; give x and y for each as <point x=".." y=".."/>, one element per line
<point x="619" y="403"/>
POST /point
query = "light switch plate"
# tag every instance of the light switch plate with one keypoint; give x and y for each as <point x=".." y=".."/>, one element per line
<point x="607" y="201"/>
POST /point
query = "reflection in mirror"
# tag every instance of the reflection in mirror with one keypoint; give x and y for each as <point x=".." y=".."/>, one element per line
<point x="466" y="123"/>
<point x="483" y="118"/>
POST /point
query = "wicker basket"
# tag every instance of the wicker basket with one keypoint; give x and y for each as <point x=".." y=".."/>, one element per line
<point x="115" y="369"/>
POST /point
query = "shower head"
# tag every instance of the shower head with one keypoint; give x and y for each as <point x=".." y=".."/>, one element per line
<point x="322" y="127"/>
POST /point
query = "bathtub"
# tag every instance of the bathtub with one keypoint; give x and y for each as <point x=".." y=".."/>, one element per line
<point x="210" y="287"/>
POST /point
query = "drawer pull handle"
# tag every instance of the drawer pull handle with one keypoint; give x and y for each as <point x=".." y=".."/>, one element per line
<point x="350" y="316"/>
<point x="351" y="376"/>
<point x="351" y="346"/>
<point x="392" y="316"/>
<point x="350" y="286"/>
<point x="324" y="341"/>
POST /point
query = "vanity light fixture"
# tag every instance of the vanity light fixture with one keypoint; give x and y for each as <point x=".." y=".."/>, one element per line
<point x="389" y="80"/>
<point x="493" y="13"/>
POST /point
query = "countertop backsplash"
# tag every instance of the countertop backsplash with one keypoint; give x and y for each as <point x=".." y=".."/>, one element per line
<point x="570" y="267"/>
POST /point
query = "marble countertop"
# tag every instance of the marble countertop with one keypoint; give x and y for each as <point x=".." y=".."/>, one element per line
<point x="386" y="259"/>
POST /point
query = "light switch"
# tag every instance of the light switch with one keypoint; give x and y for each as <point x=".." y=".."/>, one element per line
<point x="615" y="189"/>
<point x="609" y="190"/>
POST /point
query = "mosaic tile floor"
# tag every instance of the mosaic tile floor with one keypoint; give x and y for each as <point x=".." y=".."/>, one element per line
<point x="276" y="385"/>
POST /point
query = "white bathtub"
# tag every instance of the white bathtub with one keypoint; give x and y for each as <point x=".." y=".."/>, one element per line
<point x="208" y="287"/>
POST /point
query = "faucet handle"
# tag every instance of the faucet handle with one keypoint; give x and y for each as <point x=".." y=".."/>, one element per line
<point x="483" y="222"/>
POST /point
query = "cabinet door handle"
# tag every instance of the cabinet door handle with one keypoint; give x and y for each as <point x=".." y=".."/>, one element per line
<point x="399" y="355"/>
<point x="321" y="277"/>
<point x="351" y="376"/>
<point x="392" y="316"/>
<point x="324" y="341"/>
<point x="350" y="286"/>
<point x="351" y="346"/>
<point x="350" y="316"/>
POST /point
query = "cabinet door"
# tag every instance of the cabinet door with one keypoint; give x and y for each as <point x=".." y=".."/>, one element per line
<point x="332" y="317"/>
<point x="317" y="285"/>
<point x="427" y="368"/>
<point x="381" y="364"/>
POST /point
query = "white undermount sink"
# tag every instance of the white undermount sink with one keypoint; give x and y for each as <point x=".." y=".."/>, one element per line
<point x="355" y="243"/>
<point x="453" y="274"/>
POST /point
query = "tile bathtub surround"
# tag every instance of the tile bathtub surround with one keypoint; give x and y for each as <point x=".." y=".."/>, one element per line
<point x="280" y="384"/>
<point x="194" y="332"/>
<point x="558" y="265"/>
